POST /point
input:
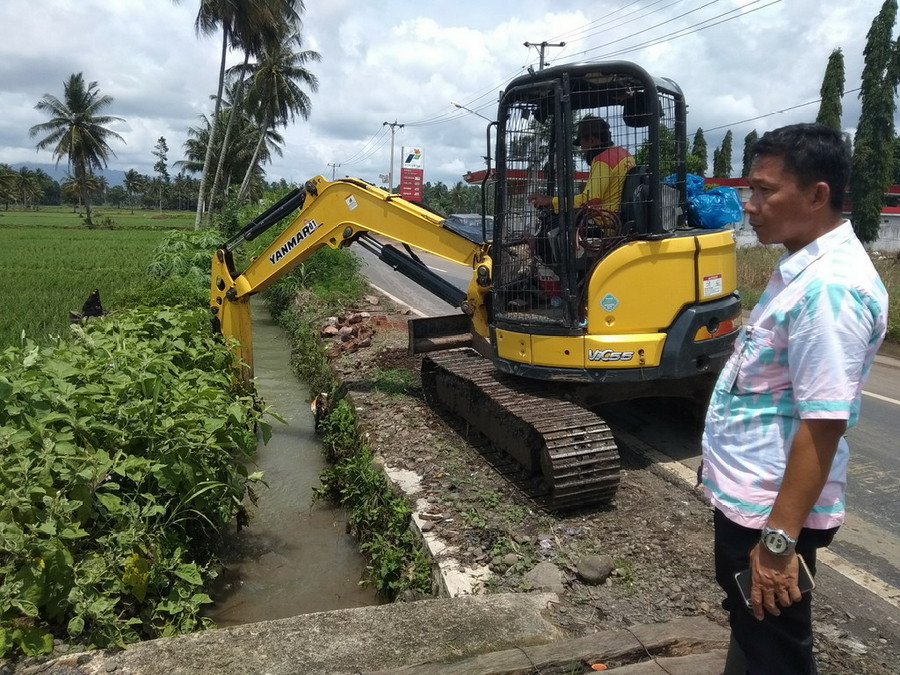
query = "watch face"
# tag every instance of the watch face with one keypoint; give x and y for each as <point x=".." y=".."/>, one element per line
<point x="775" y="542"/>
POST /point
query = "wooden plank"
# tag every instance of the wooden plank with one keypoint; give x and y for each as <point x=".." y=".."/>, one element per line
<point x="710" y="663"/>
<point x="683" y="636"/>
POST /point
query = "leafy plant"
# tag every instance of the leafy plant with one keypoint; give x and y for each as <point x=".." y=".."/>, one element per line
<point x="186" y="254"/>
<point x="123" y="452"/>
<point x="474" y="519"/>
<point x="625" y="573"/>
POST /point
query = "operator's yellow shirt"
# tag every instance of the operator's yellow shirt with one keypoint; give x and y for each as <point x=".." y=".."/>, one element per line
<point x="606" y="179"/>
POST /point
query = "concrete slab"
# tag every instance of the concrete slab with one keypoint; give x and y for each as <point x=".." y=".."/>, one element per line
<point x="355" y="640"/>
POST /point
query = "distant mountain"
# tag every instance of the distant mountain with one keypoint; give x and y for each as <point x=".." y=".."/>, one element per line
<point x="113" y="176"/>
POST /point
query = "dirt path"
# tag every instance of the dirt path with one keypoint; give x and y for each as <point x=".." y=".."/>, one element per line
<point x="656" y="537"/>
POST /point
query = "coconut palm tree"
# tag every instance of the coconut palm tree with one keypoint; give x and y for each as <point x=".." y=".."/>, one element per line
<point x="27" y="187"/>
<point x="244" y="24"/>
<point x="238" y="156"/>
<point x="77" y="131"/>
<point x="74" y="188"/>
<point x="283" y="18"/>
<point x="276" y="95"/>
<point x="134" y="185"/>
<point x="7" y="184"/>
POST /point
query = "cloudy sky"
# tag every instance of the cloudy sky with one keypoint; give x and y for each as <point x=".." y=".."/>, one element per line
<point x="743" y="65"/>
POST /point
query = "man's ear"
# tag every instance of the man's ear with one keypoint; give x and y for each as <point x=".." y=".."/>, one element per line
<point x="820" y="195"/>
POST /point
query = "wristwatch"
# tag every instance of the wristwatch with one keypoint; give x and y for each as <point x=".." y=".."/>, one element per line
<point x="777" y="542"/>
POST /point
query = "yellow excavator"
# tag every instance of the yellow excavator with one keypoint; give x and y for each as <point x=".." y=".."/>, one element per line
<point x="567" y="308"/>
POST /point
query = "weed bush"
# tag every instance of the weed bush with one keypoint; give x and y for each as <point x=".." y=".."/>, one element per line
<point x="122" y="454"/>
<point x="755" y="265"/>
<point x="378" y="515"/>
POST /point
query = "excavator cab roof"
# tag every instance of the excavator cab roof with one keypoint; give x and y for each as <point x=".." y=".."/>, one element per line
<point x="611" y="84"/>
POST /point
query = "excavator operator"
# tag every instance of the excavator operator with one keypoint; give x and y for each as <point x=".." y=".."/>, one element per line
<point x="603" y="190"/>
<point x="609" y="164"/>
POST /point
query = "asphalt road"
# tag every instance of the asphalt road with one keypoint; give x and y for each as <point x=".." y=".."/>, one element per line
<point x="867" y="547"/>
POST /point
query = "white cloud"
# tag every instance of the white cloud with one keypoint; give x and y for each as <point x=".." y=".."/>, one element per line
<point x="407" y="61"/>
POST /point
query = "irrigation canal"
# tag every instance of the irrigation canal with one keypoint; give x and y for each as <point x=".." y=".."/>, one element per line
<point x="295" y="557"/>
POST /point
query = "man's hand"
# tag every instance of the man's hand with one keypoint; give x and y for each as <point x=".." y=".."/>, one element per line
<point x="774" y="582"/>
<point x="541" y="200"/>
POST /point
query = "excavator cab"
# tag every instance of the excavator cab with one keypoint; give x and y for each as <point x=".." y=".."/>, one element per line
<point x="543" y="256"/>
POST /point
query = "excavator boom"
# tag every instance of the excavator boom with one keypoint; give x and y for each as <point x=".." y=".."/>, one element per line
<point x="337" y="214"/>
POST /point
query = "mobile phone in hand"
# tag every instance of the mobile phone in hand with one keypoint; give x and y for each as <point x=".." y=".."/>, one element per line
<point x="805" y="581"/>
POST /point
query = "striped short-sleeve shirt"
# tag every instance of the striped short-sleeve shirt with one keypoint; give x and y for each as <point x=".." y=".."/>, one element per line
<point x="804" y="353"/>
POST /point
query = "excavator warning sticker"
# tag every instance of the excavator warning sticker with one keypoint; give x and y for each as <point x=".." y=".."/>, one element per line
<point x="308" y="227"/>
<point x="351" y="202"/>
<point x="609" y="302"/>
<point x="712" y="285"/>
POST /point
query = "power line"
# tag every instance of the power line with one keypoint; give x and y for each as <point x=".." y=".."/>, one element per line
<point x="739" y="12"/>
<point x="472" y="103"/>
<point x="366" y="151"/>
<point x="775" y="112"/>
<point x="592" y="28"/>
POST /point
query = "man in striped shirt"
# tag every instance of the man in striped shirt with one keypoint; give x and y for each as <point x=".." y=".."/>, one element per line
<point x="774" y="452"/>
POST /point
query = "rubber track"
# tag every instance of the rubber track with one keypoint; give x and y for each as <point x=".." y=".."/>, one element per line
<point x="559" y="453"/>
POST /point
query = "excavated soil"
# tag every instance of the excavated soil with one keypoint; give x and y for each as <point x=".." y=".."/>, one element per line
<point x="656" y="536"/>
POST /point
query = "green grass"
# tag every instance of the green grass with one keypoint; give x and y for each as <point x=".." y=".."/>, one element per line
<point x="104" y="217"/>
<point x="46" y="270"/>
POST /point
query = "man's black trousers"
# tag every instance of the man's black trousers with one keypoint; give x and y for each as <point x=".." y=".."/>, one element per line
<point x="777" y="644"/>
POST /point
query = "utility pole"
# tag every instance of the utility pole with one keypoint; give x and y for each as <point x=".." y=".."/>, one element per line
<point x="541" y="46"/>
<point x="333" y="167"/>
<point x="393" y="125"/>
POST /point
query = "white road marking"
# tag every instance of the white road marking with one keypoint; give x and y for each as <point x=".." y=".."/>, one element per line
<point x="871" y="583"/>
<point x="397" y="300"/>
<point x="881" y="398"/>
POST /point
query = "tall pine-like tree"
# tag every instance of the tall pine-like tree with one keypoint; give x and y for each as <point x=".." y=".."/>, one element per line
<point x="700" y="164"/>
<point x="832" y="91"/>
<point x="872" y="157"/>
<point x="160" y="151"/>
<point x="722" y="157"/>
<point x="749" y="141"/>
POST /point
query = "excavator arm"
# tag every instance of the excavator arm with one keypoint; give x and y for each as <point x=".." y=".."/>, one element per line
<point x="336" y="214"/>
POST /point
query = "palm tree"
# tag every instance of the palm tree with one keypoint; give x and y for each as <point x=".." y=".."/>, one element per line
<point x="27" y="187"/>
<point x="134" y="185"/>
<point x="238" y="156"/>
<point x="74" y="188"/>
<point x="244" y="23"/>
<point x="7" y="184"/>
<point x="275" y="93"/>
<point x="77" y="131"/>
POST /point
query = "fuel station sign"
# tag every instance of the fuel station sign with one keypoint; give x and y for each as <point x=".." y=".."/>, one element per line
<point x="412" y="172"/>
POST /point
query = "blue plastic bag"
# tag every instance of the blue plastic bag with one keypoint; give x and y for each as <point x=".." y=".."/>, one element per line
<point x="693" y="183"/>
<point x="716" y="208"/>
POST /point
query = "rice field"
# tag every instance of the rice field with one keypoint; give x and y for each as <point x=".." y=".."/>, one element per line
<point x="49" y="267"/>
<point x="103" y="218"/>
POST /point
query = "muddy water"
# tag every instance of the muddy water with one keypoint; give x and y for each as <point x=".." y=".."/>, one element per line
<point x="295" y="557"/>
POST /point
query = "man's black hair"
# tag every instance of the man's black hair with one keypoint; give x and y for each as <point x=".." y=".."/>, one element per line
<point x="813" y="153"/>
